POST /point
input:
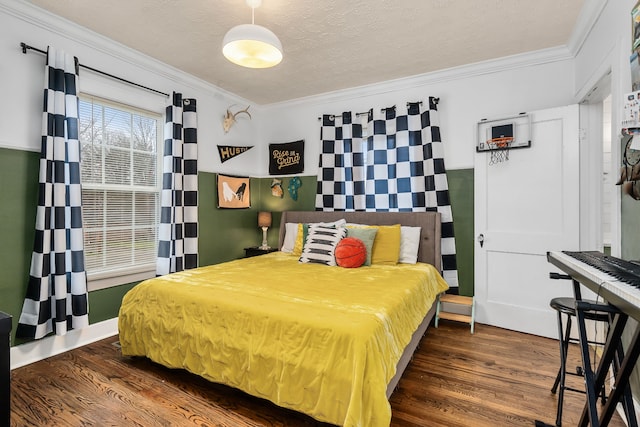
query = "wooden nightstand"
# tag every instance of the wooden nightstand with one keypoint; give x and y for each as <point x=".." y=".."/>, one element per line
<point x="255" y="251"/>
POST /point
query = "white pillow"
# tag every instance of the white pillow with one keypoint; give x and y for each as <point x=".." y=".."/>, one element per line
<point x="337" y="223"/>
<point x="409" y="243"/>
<point x="290" y="235"/>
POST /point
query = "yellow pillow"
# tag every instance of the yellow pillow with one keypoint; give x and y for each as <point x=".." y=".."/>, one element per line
<point x="386" y="246"/>
<point x="297" y="247"/>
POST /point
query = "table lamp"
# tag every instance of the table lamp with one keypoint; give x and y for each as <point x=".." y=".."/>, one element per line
<point x="264" y="221"/>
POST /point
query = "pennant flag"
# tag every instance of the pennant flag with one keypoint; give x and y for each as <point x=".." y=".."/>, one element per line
<point x="229" y="151"/>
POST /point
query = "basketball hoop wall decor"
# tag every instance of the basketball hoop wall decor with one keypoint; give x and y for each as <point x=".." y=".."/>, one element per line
<point x="499" y="136"/>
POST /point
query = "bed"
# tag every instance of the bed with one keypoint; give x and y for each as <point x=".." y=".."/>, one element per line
<point x="330" y="342"/>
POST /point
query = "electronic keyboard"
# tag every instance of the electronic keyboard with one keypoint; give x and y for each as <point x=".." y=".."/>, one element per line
<point x="617" y="281"/>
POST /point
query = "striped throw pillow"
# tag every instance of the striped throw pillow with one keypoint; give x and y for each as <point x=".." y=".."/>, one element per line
<point x="321" y="244"/>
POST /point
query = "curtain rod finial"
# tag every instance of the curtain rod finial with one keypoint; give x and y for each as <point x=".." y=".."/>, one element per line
<point x="23" y="45"/>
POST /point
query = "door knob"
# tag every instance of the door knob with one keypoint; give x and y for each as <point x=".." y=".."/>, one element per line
<point x="481" y="239"/>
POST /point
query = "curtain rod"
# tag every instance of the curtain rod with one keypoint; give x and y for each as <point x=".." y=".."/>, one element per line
<point x="362" y="113"/>
<point x="26" y="47"/>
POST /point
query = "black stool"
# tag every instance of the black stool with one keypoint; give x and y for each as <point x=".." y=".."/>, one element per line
<point x="566" y="305"/>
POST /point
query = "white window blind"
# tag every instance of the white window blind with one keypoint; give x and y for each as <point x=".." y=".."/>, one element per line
<point x="120" y="188"/>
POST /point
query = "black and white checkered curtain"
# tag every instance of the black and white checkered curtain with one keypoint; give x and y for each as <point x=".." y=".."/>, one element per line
<point x="178" y="234"/>
<point x="387" y="161"/>
<point x="56" y="299"/>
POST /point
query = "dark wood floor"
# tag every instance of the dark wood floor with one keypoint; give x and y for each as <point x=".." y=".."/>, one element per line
<point x="492" y="378"/>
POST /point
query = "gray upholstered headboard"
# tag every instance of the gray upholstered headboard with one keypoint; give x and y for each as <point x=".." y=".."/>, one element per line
<point x="429" y="222"/>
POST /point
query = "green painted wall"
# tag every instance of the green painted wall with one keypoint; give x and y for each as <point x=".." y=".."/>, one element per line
<point x="18" y="198"/>
<point x="105" y="303"/>
<point x="224" y="233"/>
<point x="461" y="194"/>
<point x="630" y="226"/>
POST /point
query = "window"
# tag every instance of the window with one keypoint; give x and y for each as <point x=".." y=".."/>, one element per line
<point x="120" y="191"/>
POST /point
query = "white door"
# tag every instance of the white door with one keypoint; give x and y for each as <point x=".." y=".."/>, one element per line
<point x="524" y="207"/>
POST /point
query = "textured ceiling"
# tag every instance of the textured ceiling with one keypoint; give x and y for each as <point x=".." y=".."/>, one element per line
<point x="328" y="44"/>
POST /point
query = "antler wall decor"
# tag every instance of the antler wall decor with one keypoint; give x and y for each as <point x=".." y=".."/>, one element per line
<point x="230" y="118"/>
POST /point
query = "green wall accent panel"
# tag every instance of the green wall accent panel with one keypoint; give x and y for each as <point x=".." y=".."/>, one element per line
<point x="461" y="195"/>
<point x="630" y="226"/>
<point x="306" y="201"/>
<point x="224" y="233"/>
<point x="104" y="304"/>
<point x="18" y="198"/>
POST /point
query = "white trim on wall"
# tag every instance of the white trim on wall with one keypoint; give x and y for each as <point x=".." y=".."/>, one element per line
<point x="10" y="146"/>
<point x="507" y="63"/>
<point x="34" y="351"/>
<point x="589" y="14"/>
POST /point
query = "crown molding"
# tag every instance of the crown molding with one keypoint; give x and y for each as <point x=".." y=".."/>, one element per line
<point x="48" y="21"/>
<point x="587" y="18"/>
<point x="507" y="63"/>
<point x="589" y="14"/>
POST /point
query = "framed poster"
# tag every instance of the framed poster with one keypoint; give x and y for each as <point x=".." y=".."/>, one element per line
<point x="287" y="158"/>
<point x="233" y="192"/>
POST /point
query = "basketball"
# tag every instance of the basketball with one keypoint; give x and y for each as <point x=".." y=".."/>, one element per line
<point x="350" y="252"/>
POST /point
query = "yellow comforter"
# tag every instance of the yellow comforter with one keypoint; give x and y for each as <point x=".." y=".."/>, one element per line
<point x="320" y="340"/>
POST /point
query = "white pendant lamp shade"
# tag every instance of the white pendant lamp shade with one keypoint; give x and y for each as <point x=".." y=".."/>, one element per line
<point x="252" y="46"/>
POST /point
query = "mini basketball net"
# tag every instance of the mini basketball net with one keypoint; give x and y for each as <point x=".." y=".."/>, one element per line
<point x="498" y="137"/>
<point x="499" y="149"/>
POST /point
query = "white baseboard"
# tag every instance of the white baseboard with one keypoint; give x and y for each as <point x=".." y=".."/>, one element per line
<point x="34" y="351"/>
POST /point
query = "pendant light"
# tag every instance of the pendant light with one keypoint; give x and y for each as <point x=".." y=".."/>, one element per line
<point x="251" y="45"/>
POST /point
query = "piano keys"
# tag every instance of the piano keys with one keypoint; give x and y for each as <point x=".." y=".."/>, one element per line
<point x="616" y="281"/>
<point x="623" y="293"/>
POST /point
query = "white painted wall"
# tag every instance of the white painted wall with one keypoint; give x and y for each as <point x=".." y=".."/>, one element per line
<point x="606" y="50"/>
<point x="607" y="46"/>
<point x="467" y="94"/>
<point x="23" y="81"/>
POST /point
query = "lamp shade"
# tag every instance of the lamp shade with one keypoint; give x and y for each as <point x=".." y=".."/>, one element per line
<point x="252" y="46"/>
<point x="264" y="219"/>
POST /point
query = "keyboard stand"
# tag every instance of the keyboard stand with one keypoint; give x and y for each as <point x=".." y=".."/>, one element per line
<point x="613" y="356"/>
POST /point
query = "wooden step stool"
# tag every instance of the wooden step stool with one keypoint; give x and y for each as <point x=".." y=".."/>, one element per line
<point x="457" y="300"/>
